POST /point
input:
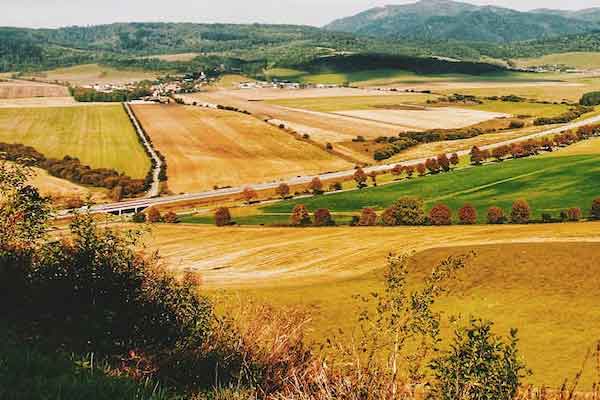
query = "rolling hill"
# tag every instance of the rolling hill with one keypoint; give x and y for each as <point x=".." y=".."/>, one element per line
<point x="447" y="19"/>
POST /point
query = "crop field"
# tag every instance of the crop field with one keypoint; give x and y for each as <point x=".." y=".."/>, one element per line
<point x="205" y="148"/>
<point x="22" y="89"/>
<point x="94" y="73"/>
<point x="176" y="57"/>
<point x="385" y="77"/>
<point x="321" y="269"/>
<point x="429" y="118"/>
<point x="344" y="102"/>
<point x="574" y="180"/>
<point x="521" y="108"/>
<point x="61" y="190"/>
<point x="578" y="60"/>
<point x="101" y="137"/>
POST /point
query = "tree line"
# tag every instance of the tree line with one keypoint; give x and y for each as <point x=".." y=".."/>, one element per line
<point x="71" y="169"/>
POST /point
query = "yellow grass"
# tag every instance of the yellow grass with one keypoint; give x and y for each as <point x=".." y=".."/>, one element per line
<point x="578" y="60"/>
<point x="101" y="137"/>
<point x="24" y="89"/>
<point x="540" y="280"/>
<point x="94" y="73"/>
<point x="206" y="147"/>
<point x="176" y="57"/>
<point x="61" y="190"/>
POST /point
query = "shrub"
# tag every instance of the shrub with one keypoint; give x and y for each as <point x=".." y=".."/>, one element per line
<point x="405" y="211"/>
<point x="171" y="218"/>
<point x="476" y="156"/>
<point x="153" y="216"/>
<point x="222" y="216"/>
<point x="520" y="212"/>
<point x="467" y="215"/>
<point x="421" y="169"/>
<point x="368" y="217"/>
<point x="440" y="215"/>
<point x="516" y="124"/>
<point x="574" y="214"/>
<point x="300" y="216"/>
<point x="283" y="190"/>
<point x="479" y="365"/>
<point x="388" y="217"/>
<point x="139" y="218"/>
<point x="323" y="217"/>
<point x="546" y="217"/>
<point x="249" y="194"/>
<point x="590" y="99"/>
<point x="443" y="162"/>
<point x="595" y="210"/>
<point x="454" y="160"/>
<point x="495" y="215"/>
<point x="316" y="186"/>
<point x="360" y="178"/>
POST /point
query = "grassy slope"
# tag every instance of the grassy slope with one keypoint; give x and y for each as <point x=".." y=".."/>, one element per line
<point x="94" y="73"/>
<point x="390" y="76"/>
<point x="574" y="180"/>
<point x="578" y="60"/>
<point x="547" y="291"/>
<point x="533" y="109"/>
<point x="99" y="136"/>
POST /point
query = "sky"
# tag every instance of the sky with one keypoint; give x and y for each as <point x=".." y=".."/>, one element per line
<point x="55" y="13"/>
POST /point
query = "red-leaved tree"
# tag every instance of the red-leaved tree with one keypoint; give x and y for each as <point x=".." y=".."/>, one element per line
<point x="467" y="215"/>
<point x="440" y="215"/>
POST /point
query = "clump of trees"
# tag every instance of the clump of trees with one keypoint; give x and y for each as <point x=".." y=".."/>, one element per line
<point x="368" y="217"/>
<point x="222" y="216"/>
<point x="323" y="217"/>
<point x="467" y="215"/>
<point x="405" y="211"/>
<point x="520" y="213"/>
<point x="71" y="169"/>
<point x="116" y="96"/>
<point x="590" y="99"/>
<point x="300" y="216"/>
<point x="440" y="214"/>
<point x="572" y="114"/>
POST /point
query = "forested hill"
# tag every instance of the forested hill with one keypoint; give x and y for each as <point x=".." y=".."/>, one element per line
<point x="446" y="19"/>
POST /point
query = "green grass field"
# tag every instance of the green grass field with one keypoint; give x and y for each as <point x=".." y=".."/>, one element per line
<point x="100" y="136"/>
<point x="524" y="108"/>
<point x="574" y="182"/>
<point x="547" y="291"/>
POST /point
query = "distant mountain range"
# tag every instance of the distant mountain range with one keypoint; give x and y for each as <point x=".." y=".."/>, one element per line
<point x="451" y="20"/>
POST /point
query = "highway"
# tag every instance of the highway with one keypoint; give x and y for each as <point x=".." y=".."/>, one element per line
<point x="140" y="204"/>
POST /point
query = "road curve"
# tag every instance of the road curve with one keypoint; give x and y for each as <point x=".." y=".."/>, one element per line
<point x="148" y="202"/>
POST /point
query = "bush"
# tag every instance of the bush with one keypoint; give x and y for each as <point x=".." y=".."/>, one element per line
<point x="94" y="293"/>
<point x="595" y="211"/>
<point x="139" y="218"/>
<point x="467" y="215"/>
<point x="590" y="99"/>
<point x="520" y="212"/>
<point x="480" y="365"/>
<point x="440" y="215"/>
<point x="405" y="211"/>
<point x="300" y="216"/>
<point x="153" y="216"/>
<point x="574" y="214"/>
<point x="222" y="217"/>
<point x="171" y="218"/>
<point x="360" y="178"/>
<point x="316" y="186"/>
<point x="516" y="124"/>
<point x="495" y="215"/>
<point x="323" y="217"/>
<point x="283" y="190"/>
<point x="368" y="217"/>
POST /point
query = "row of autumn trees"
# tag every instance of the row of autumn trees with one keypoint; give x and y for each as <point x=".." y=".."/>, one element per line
<point x="532" y="147"/>
<point x="71" y="169"/>
<point x="410" y="211"/>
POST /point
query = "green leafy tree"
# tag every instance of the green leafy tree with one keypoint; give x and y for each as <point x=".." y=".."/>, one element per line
<point x="595" y="210"/>
<point x="408" y="211"/>
<point x="479" y="366"/>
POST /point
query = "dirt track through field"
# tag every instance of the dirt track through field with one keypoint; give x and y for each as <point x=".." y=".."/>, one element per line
<point x="205" y="148"/>
<point x="247" y="256"/>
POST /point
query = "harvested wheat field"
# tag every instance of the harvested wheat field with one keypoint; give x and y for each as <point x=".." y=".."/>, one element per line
<point x="206" y="147"/>
<point x="61" y="190"/>
<point x="93" y="73"/>
<point x="542" y="281"/>
<point x="101" y="137"/>
<point x="23" y="89"/>
<point x="429" y="118"/>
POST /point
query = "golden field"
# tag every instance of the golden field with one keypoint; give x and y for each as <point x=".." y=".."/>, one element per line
<point x="206" y="147"/>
